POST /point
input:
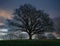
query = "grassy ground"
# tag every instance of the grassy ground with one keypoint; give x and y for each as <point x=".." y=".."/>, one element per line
<point x="30" y="43"/>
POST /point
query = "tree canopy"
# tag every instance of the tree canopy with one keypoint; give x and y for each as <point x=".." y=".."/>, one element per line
<point x="27" y="18"/>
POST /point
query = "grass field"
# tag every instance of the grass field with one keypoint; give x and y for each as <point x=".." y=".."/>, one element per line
<point x="30" y="43"/>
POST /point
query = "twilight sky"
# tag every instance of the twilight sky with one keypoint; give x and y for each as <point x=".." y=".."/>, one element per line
<point x="52" y="7"/>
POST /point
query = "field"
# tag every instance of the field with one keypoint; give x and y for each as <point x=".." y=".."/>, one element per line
<point x="30" y="43"/>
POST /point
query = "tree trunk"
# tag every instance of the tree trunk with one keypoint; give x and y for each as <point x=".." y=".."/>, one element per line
<point x="30" y="36"/>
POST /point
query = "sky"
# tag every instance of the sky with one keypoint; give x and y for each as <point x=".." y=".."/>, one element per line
<point x="7" y="7"/>
<point x="51" y="7"/>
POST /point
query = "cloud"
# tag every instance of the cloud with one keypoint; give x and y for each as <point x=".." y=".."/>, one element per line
<point x="5" y="13"/>
<point x="1" y="24"/>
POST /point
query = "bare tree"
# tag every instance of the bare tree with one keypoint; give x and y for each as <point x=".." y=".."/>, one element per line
<point x="29" y="19"/>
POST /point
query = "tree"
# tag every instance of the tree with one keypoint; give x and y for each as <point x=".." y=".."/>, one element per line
<point x="29" y="19"/>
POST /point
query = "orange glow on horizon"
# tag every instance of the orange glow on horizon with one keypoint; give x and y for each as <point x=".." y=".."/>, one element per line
<point x="6" y="14"/>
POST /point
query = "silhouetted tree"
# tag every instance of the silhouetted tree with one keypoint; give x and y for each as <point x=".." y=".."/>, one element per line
<point x="29" y="19"/>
